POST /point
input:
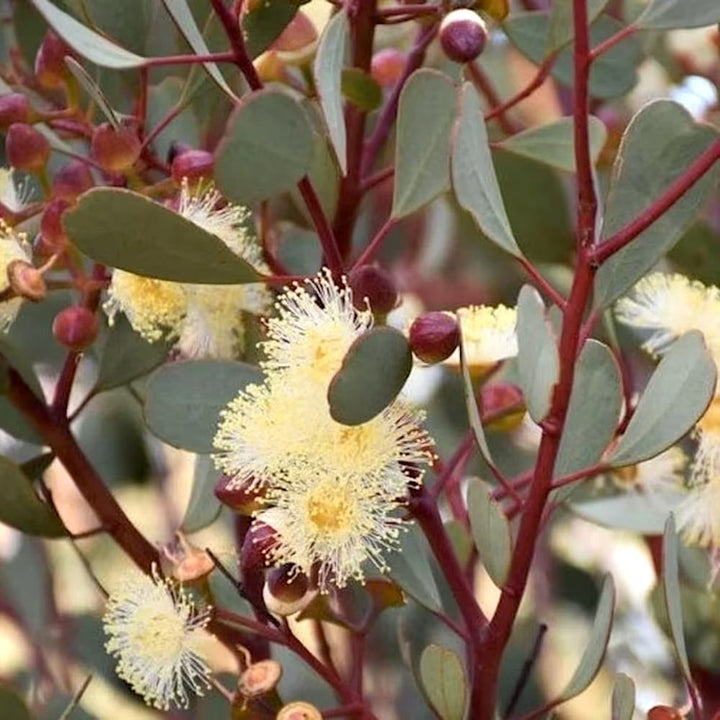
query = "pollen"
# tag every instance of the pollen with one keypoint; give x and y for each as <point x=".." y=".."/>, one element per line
<point x="153" y="630"/>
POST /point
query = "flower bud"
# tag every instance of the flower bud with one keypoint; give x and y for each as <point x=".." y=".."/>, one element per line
<point x="296" y="43"/>
<point x="260" y="678"/>
<point x="53" y="234"/>
<point x="72" y="180"/>
<point x="26" y="148"/>
<point x="434" y="336"/>
<point x="462" y="35"/>
<point x="14" y="108"/>
<point x="286" y="583"/>
<point x="75" y="327"/>
<point x="26" y="281"/>
<point x="189" y="563"/>
<point x="375" y="284"/>
<point x="387" y="66"/>
<point x="177" y="148"/>
<point x="50" y="68"/>
<point x="663" y="712"/>
<point x="258" y="542"/>
<point x="498" y="398"/>
<point x="244" y="499"/>
<point x="114" y="150"/>
<point x="299" y="711"/>
<point x="193" y="164"/>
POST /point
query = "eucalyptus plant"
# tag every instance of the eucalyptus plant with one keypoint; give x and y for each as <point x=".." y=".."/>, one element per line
<point x="411" y="288"/>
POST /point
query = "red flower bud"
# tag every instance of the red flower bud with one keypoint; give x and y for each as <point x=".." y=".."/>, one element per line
<point x="75" y="327"/>
<point x="462" y="35"/>
<point x="50" y="68"/>
<point x="72" y="180"/>
<point x="286" y="583"/>
<point x="193" y="165"/>
<point x="244" y="499"/>
<point x="298" y="34"/>
<point x="434" y="336"/>
<point x="51" y="227"/>
<point x="14" y="108"/>
<point x="375" y="284"/>
<point x="114" y="150"/>
<point x="503" y="399"/>
<point x="26" y="148"/>
<point x="387" y="66"/>
<point x="663" y="712"/>
<point x="259" y="541"/>
<point x="26" y="281"/>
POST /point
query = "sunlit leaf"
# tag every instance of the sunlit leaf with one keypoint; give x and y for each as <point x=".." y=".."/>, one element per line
<point x="443" y="679"/>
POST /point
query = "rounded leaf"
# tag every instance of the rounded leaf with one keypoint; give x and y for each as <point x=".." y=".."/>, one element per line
<point x="443" y="680"/>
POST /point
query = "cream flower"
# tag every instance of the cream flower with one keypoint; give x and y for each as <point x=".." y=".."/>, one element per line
<point x="488" y="335"/>
<point x="12" y="247"/>
<point x="669" y="306"/>
<point x="153" y="630"/>
<point x="332" y="523"/>
<point x="12" y="196"/>
<point x="315" y="326"/>
<point x="664" y="471"/>
<point x="204" y="320"/>
<point x="698" y="516"/>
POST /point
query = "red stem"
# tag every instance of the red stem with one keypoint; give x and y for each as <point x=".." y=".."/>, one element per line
<point x="483" y="84"/>
<point x="613" y="40"/>
<point x="375" y="244"/>
<point x="659" y="206"/>
<point x="325" y="233"/>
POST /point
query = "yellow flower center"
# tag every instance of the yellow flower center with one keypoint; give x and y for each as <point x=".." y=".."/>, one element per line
<point x="331" y="509"/>
<point x="156" y="634"/>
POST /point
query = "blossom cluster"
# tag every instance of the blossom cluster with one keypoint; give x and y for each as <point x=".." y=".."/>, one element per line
<point x="665" y="307"/>
<point x="332" y="493"/>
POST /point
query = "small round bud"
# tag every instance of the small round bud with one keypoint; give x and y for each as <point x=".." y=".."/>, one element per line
<point x="503" y="399"/>
<point x="260" y="678"/>
<point x="14" y="108"/>
<point x="244" y="499"/>
<point x="296" y="43"/>
<point x="72" y="180"/>
<point x="114" y="150"/>
<point x="375" y="284"/>
<point x="50" y="68"/>
<point x="26" y="281"/>
<point x="51" y="227"/>
<point x="663" y="712"/>
<point x="75" y="327"/>
<point x="286" y="583"/>
<point x="299" y="711"/>
<point x="386" y="67"/>
<point x="259" y="541"/>
<point x="434" y="336"/>
<point x="462" y="35"/>
<point x="193" y="164"/>
<point x="26" y="148"/>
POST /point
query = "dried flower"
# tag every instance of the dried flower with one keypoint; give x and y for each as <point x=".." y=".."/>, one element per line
<point x="153" y="628"/>
<point x="669" y="306"/>
<point x="204" y="320"/>
<point x="488" y="335"/>
<point x="13" y="249"/>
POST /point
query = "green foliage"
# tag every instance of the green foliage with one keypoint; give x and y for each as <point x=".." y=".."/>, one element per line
<point x="113" y="227"/>
<point x="203" y="507"/>
<point x="425" y="116"/>
<point x="183" y="400"/>
<point x="361" y="89"/>
<point x="264" y="23"/>
<point x="13" y="706"/>
<point x="623" y="698"/>
<point x="443" y="679"/>
<point x="268" y="124"/>
<point x="372" y="374"/>
<point x="669" y="14"/>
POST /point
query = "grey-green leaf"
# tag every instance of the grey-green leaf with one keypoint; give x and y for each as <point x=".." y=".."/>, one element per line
<point x="182" y="16"/>
<point x="660" y="142"/>
<point x="127" y="356"/>
<point x="93" y="90"/>
<point x="675" y="398"/>
<point x="443" y="679"/>
<point x="373" y="372"/>
<point x="264" y="23"/>
<point x="560" y="31"/>
<point x="671" y="14"/>
<point x="552" y="143"/>
<point x="128" y="231"/>
<point x="21" y="507"/>
<point x="473" y="176"/>
<point x="473" y="413"/>
<point x="86" y="42"/>
<point x="327" y="70"/>
<point x="11" y="419"/>
<point x="623" y="698"/>
<point x="538" y="362"/>
<point x="424" y="125"/>
<point x="490" y="530"/>
<point x="593" y="412"/>
<point x="203" y="507"/>
<point x="184" y="399"/>
<point x="600" y="634"/>
<point x="671" y="587"/>
<point x="267" y="148"/>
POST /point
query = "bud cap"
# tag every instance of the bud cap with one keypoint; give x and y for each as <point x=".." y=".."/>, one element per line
<point x="26" y="281"/>
<point x="434" y="336"/>
<point x="260" y="678"/>
<point x="26" y="148"/>
<point x="375" y="284"/>
<point x="462" y="35"/>
<point x="14" y="108"/>
<point x="114" y="150"/>
<point x="75" y="327"/>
